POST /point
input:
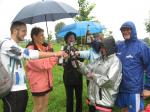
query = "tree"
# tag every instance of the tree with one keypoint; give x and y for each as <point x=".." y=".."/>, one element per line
<point x="58" y="28"/>
<point x="146" y="40"/>
<point x="147" y="24"/>
<point x="84" y="10"/>
<point x="50" y="36"/>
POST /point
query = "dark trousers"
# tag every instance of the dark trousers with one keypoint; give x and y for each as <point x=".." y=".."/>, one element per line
<point x="16" y="101"/>
<point x="78" y="95"/>
<point x="92" y="108"/>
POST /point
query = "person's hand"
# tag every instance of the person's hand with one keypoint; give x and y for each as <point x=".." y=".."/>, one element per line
<point x="77" y="53"/>
<point x="146" y="93"/>
<point x="65" y="55"/>
<point x="59" y="53"/>
<point x="90" y="75"/>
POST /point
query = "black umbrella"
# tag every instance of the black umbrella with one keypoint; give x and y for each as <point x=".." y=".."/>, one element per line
<point x="45" y="11"/>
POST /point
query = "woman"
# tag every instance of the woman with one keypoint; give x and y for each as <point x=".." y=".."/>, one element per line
<point x="72" y="78"/>
<point x="105" y="77"/>
<point x="40" y="72"/>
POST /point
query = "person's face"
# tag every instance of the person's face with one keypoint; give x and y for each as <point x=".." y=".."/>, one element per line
<point x="99" y="38"/>
<point x="70" y="39"/>
<point x="103" y="51"/>
<point x="126" y="33"/>
<point x="21" y="33"/>
<point x="39" y="39"/>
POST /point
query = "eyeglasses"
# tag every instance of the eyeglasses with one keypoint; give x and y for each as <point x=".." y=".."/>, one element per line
<point x="125" y="29"/>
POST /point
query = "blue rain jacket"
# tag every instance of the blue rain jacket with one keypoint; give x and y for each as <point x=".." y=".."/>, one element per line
<point x="135" y="57"/>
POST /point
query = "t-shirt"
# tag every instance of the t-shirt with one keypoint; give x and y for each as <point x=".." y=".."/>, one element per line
<point x="8" y="58"/>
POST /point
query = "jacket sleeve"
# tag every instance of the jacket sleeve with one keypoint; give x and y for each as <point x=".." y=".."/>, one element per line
<point x="111" y="75"/>
<point x="84" y="54"/>
<point x="41" y="64"/>
<point x="146" y="60"/>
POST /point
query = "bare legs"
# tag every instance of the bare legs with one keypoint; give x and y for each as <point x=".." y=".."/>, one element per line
<point x="40" y="103"/>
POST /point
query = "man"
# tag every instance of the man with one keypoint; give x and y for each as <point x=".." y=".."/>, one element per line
<point x="135" y="57"/>
<point x="11" y="55"/>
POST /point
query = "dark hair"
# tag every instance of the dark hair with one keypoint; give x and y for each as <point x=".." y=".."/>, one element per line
<point x="36" y="31"/>
<point x="16" y="25"/>
<point x="69" y="34"/>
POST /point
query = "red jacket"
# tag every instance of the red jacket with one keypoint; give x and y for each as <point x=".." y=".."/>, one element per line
<point x="39" y="73"/>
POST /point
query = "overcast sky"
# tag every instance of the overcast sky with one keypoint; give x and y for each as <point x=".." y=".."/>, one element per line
<point x="111" y="13"/>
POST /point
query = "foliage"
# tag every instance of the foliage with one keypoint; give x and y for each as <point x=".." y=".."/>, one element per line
<point x="50" y="36"/>
<point x="59" y="26"/>
<point x="147" y="24"/>
<point x="57" y="29"/>
<point x="146" y="40"/>
<point x="84" y="11"/>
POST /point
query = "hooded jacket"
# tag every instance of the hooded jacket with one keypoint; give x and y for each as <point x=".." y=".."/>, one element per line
<point x="104" y="85"/>
<point x="135" y="57"/>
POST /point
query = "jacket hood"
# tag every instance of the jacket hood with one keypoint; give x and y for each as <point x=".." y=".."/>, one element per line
<point x="109" y="44"/>
<point x="130" y="25"/>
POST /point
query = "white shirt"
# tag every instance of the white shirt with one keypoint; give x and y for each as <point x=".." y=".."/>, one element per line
<point x="8" y="58"/>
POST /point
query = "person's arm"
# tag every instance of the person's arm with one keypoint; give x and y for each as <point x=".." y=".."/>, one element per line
<point x="146" y="93"/>
<point x="50" y="54"/>
<point x="18" y="52"/>
<point x="83" y="54"/>
<point x="41" y="64"/>
<point x="35" y="54"/>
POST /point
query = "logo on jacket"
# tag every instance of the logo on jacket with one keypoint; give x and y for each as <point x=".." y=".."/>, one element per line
<point x="129" y="56"/>
<point x="118" y="53"/>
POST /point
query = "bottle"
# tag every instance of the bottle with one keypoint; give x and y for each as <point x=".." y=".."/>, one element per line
<point x="60" y="61"/>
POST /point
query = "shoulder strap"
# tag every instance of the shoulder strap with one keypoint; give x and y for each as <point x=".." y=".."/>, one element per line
<point x="13" y="67"/>
<point x="13" y="61"/>
<point x="3" y="42"/>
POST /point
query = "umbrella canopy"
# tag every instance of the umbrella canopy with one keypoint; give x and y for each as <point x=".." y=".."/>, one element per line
<point x="45" y="11"/>
<point x="80" y="28"/>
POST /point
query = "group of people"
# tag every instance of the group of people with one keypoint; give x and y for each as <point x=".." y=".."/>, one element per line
<point x="114" y="73"/>
<point x="40" y="61"/>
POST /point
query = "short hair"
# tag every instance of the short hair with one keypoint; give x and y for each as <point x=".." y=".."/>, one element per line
<point x="36" y="31"/>
<point x="68" y="34"/>
<point x="16" y="25"/>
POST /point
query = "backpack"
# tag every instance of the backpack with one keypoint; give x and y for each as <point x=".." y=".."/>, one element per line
<point x="6" y="80"/>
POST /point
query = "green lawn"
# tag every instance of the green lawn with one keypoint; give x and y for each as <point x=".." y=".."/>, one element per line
<point x="57" y="96"/>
